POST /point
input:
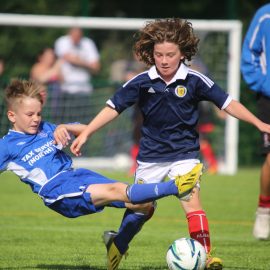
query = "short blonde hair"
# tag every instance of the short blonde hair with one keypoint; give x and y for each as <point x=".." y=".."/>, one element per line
<point x="19" y="89"/>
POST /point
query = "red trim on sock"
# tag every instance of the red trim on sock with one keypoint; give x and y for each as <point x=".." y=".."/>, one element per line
<point x="264" y="201"/>
<point x="199" y="228"/>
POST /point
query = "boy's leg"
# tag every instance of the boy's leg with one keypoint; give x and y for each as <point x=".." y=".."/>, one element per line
<point x="181" y="186"/>
<point x="261" y="229"/>
<point x="117" y="243"/>
<point x="102" y="194"/>
<point x="196" y="217"/>
<point x="199" y="228"/>
<point x="132" y="222"/>
<point x="149" y="173"/>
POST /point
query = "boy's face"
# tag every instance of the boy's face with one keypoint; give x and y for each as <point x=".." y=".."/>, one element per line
<point x="26" y="115"/>
<point x="167" y="57"/>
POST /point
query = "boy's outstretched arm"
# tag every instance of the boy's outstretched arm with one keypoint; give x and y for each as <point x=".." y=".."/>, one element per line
<point x="63" y="131"/>
<point x="239" y="111"/>
<point x="105" y="116"/>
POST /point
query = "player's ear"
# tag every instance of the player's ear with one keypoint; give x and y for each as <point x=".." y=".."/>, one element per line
<point x="11" y="116"/>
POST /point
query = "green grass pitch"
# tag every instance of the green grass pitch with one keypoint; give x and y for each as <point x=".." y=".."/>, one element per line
<point x="34" y="237"/>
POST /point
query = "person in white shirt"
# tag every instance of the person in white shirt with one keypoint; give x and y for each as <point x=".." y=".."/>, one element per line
<point x="80" y="60"/>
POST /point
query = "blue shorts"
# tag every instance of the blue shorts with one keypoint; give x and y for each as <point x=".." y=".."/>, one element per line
<point x="66" y="194"/>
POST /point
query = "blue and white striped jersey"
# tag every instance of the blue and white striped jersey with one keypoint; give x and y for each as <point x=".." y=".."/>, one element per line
<point x="170" y="111"/>
<point x="255" y="62"/>
<point x="33" y="158"/>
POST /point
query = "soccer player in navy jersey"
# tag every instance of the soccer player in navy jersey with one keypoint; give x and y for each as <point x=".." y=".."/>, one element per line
<point x="168" y="95"/>
<point x="32" y="149"/>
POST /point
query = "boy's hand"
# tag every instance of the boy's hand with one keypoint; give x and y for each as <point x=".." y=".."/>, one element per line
<point x="61" y="136"/>
<point x="77" y="144"/>
<point x="263" y="127"/>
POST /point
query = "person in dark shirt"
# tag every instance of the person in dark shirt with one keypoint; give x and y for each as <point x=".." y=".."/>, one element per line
<point x="168" y="95"/>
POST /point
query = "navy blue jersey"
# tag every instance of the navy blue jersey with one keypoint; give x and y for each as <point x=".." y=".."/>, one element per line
<point x="170" y="111"/>
<point x="33" y="158"/>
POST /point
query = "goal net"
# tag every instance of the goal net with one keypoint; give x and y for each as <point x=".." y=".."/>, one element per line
<point x="218" y="57"/>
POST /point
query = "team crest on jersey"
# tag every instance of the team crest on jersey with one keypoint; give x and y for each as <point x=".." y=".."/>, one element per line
<point x="180" y="91"/>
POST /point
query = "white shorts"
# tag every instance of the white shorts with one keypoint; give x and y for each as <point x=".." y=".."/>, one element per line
<point x="157" y="172"/>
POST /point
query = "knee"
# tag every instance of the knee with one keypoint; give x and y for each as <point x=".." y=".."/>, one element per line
<point x="117" y="187"/>
<point x="151" y="210"/>
<point x="147" y="209"/>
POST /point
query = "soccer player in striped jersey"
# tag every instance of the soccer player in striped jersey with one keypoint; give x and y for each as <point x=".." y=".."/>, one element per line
<point x="168" y="95"/>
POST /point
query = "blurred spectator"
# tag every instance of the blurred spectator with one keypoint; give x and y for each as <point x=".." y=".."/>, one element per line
<point x="81" y="60"/>
<point x="46" y="71"/>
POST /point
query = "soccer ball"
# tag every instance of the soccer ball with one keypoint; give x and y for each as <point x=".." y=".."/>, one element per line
<point x="186" y="254"/>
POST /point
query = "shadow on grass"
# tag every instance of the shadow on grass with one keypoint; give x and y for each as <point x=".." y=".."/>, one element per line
<point x="151" y="268"/>
<point x="57" y="266"/>
<point x="77" y="267"/>
<point x="241" y="268"/>
<point x="68" y="267"/>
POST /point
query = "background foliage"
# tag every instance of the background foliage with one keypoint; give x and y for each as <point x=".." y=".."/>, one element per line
<point x="20" y="55"/>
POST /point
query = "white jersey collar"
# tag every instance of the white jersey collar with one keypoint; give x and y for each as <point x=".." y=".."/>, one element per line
<point x="15" y="131"/>
<point x="181" y="73"/>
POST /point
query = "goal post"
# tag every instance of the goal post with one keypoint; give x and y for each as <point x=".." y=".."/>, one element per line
<point x="223" y="47"/>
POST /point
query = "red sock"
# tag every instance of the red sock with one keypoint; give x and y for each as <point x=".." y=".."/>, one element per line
<point x="264" y="201"/>
<point x="199" y="229"/>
